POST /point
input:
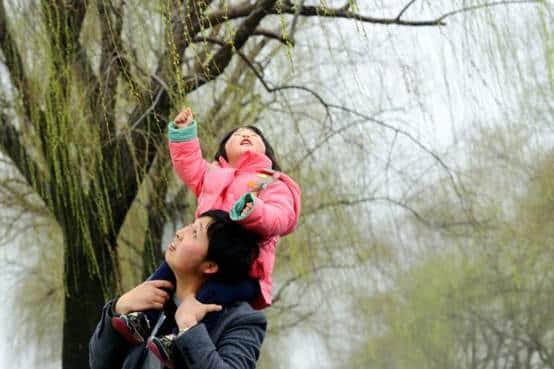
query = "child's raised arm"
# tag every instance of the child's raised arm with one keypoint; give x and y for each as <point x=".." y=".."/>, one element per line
<point x="185" y="151"/>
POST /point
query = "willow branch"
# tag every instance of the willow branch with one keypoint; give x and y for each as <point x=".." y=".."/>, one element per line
<point x="14" y="63"/>
<point x="146" y="123"/>
<point x="64" y="22"/>
<point x="273" y="35"/>
<point x="487" y="5"/>
<point x="111" y="65"/>
<point x="404" y="9"/>
<point x="11" y="143"/>
<point x="242" y="10"/>
<point x="217" y="64"/>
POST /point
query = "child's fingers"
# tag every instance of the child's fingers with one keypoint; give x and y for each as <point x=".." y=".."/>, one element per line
<point x="184" y="116"/>
<point x="157" y="301"/>
<point x="212" y="307"/>
<point x="161" y="283"/>
<point x="186" y="111"/>
<point x="162" y="294"/>
<point x="246" y="208"/>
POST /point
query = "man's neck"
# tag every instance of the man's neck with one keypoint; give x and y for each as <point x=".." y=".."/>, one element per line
<point x="187" y="286"/>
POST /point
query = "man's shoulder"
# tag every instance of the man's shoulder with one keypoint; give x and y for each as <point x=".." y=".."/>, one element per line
<point x="244" y="313"/>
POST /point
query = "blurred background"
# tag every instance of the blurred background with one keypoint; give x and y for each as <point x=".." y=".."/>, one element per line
<point x="421" y="133"/>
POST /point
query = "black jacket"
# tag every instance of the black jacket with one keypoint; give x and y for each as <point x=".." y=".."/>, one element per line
<point x="229" y="339"/>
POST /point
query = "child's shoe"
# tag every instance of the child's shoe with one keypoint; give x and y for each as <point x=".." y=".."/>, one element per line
<point x="133" y="326"/>
<point x="162" y="347"/>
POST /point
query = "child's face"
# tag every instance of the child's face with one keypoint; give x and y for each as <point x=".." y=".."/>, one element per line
<point x="242" y="140"/>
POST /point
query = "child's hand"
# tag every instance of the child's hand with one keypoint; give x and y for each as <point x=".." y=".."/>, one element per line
<point x="184" y="118"/>
<point x="147" y="295"/>
<point x="248" y="206"/>
<point x="191" y="311"/>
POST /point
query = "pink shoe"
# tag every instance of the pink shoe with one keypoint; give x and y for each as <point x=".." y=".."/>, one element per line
<point x="162" y="347"/>
<point x="133" y="327"/>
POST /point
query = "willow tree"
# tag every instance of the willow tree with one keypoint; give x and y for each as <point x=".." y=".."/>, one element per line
<point x="91" y="85"/>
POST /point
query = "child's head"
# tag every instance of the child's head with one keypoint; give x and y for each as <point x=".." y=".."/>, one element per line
<point x="213" y="247"/>
<point x="242" y="139"/>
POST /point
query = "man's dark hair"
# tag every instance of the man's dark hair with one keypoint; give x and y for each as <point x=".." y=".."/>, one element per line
<point x="268" y="148"/>
<point x="232" y="247"/>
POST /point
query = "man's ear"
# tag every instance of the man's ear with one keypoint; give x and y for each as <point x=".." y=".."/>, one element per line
<point x="209" y="267"/>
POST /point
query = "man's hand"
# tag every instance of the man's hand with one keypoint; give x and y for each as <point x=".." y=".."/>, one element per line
<point x="191" y="311"/>
<point x="184" y="118"/>
<point x="147" y="295"/>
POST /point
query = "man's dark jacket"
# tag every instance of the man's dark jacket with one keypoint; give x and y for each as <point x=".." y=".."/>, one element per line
<point x="229" y="339"/>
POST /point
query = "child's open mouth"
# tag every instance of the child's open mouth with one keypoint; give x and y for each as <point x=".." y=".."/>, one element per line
<point x="246" y="142"/>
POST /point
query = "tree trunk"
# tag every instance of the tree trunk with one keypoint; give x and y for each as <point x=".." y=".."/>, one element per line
<point x="83" y="307"/>
<point x="87" y="287"/>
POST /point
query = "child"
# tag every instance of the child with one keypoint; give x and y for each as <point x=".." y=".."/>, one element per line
<point x="245" y="180"/>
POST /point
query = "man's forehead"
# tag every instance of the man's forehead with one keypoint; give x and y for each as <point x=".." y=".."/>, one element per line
<point x="203" y="222"/>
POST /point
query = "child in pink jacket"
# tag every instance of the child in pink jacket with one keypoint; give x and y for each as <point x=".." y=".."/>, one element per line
<point x="245" y="180"/>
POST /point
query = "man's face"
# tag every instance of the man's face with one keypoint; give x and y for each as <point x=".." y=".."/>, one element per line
<point x="187" y="252"/>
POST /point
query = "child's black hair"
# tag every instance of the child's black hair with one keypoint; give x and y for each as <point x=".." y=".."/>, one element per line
<point x="232" y="247"/>
<point x="268" y="149"/>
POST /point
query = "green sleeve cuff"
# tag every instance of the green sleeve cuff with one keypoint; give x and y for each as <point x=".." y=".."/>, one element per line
<point x="187" y="133"/>
<point x="236" y="210"/>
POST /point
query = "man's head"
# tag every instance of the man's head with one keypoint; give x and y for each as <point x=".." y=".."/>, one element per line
<point x="213" y="247"/>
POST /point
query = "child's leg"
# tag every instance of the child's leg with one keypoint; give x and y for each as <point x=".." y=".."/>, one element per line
<point x="165" y="273"/>
<point x="211" y="293"/>
<point x="225" y="294"/>
<point x="136" y="326"/>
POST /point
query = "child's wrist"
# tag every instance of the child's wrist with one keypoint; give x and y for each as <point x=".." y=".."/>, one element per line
<point x="186" y="324"/>
<point x="181" y="133"/>
<point x="182" y="125"/>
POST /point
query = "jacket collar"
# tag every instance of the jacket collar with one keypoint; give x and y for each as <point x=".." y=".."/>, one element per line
<point x="249" y="161"/>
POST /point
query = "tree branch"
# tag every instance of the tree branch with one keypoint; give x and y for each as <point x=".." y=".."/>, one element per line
<point x="242" y="10"/>
<point x="11" y="143"/>
<point x="14" y="63"/>
<point x="132" y="154"/>
<point x="329" y="106"/>
<point x="111" y="65"/>
<point x="64" y="19"/>
<point x="273" y="35"/>
<point x="217" y="64"/>
<point x="487" y="5"/>
<point x="405" y="9"/>
<point x="347" y="202"/>
<point x="267" y="87"/>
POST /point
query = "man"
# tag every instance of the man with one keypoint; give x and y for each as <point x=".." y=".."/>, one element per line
<point x="203" y="336"/>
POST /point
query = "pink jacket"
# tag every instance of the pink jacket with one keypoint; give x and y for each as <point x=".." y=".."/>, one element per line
<point x="219" y="186"/>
